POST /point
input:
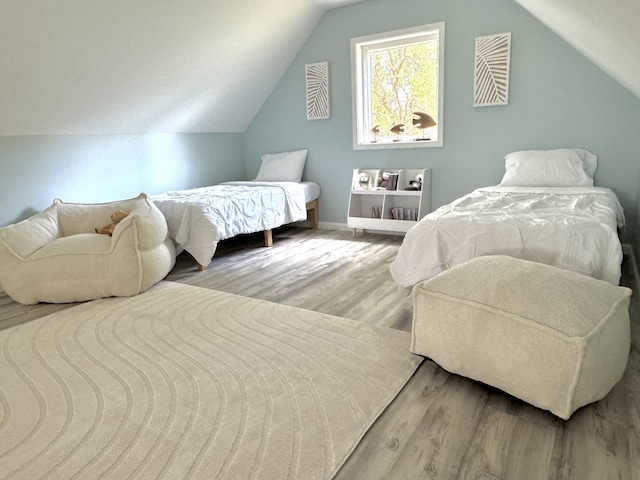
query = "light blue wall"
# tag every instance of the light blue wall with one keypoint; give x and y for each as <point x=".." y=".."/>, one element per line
<point x="557" y="98"/>
<point x="36" y="169"/>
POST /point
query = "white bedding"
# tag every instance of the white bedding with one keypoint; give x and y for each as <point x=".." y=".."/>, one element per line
<point x="199" y="218"/>
<point x="571" y="228"/>
<point x="311" y="191"/>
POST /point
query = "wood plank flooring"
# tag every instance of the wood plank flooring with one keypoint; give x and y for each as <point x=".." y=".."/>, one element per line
<point x="441" y="426"/>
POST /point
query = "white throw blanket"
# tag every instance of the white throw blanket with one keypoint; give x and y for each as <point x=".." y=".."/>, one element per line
<point x="199" y="218"/>
<point x="571" y="228"/>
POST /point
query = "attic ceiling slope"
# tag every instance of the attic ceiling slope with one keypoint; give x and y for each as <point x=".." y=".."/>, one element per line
<point x="122" y="67"/>
<point x="608" y="33"/>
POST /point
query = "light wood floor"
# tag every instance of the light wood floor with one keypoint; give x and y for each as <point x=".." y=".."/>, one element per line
<point x="441" y="426"/>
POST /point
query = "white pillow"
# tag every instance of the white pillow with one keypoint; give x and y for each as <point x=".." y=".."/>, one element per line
<point x="282" y="167"/>
<point x="566" y="167"/>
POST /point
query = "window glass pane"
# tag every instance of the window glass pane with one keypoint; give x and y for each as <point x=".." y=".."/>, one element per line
<point x="397" y="88"/>
<point x="402" y="80"/>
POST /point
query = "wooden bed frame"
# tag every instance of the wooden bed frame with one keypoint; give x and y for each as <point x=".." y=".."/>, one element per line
<point x="312" y="217"/>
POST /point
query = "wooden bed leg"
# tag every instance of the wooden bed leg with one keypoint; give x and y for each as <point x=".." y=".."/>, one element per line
<point x="312" y="213"/>
<point x="268" y="238"/>
<point x="201" y="268"/>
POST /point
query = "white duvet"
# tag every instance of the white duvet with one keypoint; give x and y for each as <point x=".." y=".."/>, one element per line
<point x="199" y="218"/>
<point x="571" y="228"/>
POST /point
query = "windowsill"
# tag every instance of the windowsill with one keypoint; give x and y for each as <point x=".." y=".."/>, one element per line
<point x="390" y="144"/>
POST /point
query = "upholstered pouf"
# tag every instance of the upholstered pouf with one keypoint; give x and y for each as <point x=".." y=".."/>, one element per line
<point x="553" y="338"/>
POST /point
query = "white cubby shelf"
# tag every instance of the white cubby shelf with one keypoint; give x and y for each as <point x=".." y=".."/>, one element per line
<point x="374" y="207"/>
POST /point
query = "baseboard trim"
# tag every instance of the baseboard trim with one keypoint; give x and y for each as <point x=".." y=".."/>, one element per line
<point x="343" y="226"/>
<point x="332" y="226"/>
<point x="321" y="225"/>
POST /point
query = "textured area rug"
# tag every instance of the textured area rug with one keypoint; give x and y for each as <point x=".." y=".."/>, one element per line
<point x="184" y="382"/>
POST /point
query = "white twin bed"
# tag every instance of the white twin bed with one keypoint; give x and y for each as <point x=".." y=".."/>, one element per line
<point x="201" y="217"/>
<point x="546" y="210"/>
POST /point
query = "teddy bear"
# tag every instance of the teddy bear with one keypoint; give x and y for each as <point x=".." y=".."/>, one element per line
<point x="116" y="217"/>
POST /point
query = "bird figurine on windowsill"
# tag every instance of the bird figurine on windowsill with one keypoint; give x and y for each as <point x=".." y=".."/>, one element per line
<point x="423" y="121"/>
<point x="375" y="130"/>
<point x="398" y="130"/>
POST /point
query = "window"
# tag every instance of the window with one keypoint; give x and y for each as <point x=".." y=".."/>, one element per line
<point x="397" y="78"/>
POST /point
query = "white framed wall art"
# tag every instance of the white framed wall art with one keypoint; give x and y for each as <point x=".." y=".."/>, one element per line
<point x="491" y="70"/>
<point x="317" y="83"/>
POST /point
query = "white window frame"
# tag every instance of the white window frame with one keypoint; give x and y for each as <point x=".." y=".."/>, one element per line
<point x="359" y="47"/>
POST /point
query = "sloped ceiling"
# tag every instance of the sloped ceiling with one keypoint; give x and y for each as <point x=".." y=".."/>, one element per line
<point x="122" y="66"/>
<point x="606" y="32"/>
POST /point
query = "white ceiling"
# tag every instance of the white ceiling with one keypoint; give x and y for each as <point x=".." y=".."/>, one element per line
<point x="607" y="32"/>
<point x="118" y="66"/>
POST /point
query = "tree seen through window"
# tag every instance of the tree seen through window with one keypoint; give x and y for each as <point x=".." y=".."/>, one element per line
<point x="403" y="80"/>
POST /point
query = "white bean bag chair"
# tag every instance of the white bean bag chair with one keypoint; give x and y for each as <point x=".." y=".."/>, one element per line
<point x="55" y="256"/>
<point x="553" y="338"/>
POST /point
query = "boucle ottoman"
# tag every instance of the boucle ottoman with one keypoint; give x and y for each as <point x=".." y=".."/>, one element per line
<point x="553" y="338"/>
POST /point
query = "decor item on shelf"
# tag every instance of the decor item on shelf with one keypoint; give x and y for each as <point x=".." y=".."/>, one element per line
<point x="491" y="71"/>
<point x="398" y="129"/>
<point x="392" y="182"/>
<point x="416" y="184"/>
<point x="389" y="180"/>
<point x="423" y="121"/>
<point x="376" y="131"/>
<point x="317" y="83"/>
<point x="399" y="213"/>
<point x="364" y="181"/>
<point x="383" y="180"/>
